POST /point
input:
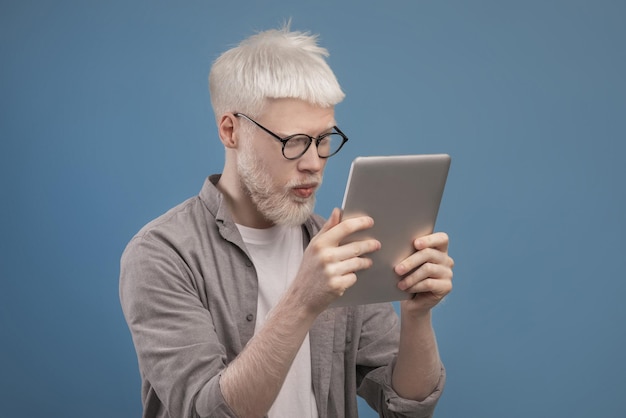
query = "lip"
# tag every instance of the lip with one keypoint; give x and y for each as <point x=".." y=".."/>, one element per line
<point x="305" y="190"/>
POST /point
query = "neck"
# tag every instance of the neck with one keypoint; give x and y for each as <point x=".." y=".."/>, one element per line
<point x="242" y="208"/>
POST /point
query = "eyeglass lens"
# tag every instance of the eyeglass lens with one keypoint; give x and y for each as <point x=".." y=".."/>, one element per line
<point x="298" y="145"/>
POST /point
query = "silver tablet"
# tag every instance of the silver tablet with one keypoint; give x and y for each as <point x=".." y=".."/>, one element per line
<point x="402" y="194"/>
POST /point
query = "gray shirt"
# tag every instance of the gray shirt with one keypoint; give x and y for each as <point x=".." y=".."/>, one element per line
<point x="188" y="290"/>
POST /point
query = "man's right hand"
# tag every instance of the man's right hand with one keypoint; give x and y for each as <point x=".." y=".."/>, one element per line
<point x="328" y="267"/>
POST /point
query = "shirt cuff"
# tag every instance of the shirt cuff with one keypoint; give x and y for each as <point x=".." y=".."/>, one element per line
<point x="210" y="402"/>
<point x="409" y="407"/>
<point x="395" y="406"/>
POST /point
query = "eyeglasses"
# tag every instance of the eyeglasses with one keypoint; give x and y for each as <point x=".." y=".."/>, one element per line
<point x="294" y="146"/>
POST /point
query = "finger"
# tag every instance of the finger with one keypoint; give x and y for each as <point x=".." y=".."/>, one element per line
<point x="356" y="249"/>
<point x="425" y="272"/>
<point x="335" y="229"/>
<point x="428" y="255"/>
<point x="341" y="231"/>
<point x="347" y="267"/>
<point x="437" y="287"/>
<point x="342" y="275"/>
<point x="439" y="240"/>
<point x="341" y="283"/>
<point x="333" y="220"/>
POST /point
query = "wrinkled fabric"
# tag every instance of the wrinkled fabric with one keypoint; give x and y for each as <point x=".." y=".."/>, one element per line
<point x="188" y="290"/>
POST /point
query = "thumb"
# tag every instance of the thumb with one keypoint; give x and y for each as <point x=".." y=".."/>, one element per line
<point x="333" y="220"/>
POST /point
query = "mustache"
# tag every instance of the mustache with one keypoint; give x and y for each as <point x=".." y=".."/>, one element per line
<point x="312" y="179"/>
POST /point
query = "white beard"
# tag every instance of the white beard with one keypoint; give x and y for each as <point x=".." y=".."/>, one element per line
<point x="278" y="205"/>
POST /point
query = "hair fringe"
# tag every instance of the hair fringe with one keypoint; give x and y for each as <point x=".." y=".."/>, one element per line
<point x="276" y="63"/>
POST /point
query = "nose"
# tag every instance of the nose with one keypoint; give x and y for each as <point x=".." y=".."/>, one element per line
<point x="311" y="161"/>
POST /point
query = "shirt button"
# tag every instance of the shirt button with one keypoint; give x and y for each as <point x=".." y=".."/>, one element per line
<point x="249" y="317"/>
<point x="248" y="263"/>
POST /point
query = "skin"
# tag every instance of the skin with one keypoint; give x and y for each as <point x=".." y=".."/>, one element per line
<point x="252" y="381"/>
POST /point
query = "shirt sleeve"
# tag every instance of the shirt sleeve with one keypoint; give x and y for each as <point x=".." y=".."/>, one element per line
<point x="380" y="335"/>
<point x="179" y="353"/>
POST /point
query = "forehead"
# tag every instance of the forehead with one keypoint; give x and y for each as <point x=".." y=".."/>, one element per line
<point x="296" y="116"/>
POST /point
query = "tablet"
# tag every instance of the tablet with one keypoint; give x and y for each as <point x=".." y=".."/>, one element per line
<point x="402" y="194"/>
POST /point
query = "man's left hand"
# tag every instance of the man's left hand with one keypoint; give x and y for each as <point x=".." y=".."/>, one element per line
<point x="427" y="273"/>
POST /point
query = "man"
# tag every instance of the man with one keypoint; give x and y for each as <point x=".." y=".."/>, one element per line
<point x="227" y="294"/>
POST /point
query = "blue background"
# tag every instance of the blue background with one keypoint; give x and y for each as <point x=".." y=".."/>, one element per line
<point x="105" y="123"/>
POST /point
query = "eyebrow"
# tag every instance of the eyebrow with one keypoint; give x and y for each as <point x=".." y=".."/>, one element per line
<point x="324" y="131"/>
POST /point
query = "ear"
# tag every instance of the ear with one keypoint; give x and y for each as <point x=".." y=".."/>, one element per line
<point x="227" y="130"/>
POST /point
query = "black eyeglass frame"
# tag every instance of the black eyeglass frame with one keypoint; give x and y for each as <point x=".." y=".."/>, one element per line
<point x="284" y="140"/>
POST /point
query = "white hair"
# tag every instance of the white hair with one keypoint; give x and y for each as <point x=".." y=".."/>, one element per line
<point x="273" y="64"/>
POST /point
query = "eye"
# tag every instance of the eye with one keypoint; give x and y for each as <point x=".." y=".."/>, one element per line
<point x="298" y="141"/>
<point x="325" y="140"/>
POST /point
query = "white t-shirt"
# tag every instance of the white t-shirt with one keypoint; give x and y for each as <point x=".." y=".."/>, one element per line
<point x="277" y="253"/>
